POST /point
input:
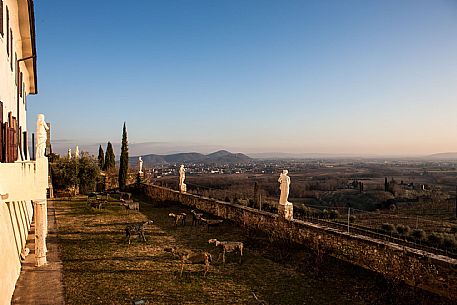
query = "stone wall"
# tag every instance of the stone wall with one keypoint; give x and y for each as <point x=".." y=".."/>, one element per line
<point x="431" y="272"/>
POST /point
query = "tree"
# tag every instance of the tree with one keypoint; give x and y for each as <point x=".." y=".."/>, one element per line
<point x="124" y="161"/>
<point x="88" y="173"/>
<point x="64" y="173"/>
<point x="68" y="173"/>
<point x="101" y="158"/>
<point x="110" y="162"/>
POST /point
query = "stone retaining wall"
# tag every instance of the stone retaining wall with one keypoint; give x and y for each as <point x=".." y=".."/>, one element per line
<point x="419" y="268"/>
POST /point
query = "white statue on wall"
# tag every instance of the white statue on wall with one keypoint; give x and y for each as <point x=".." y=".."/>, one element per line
<point x="41" y="135"/>
<point x="77" y="152"/>
<point x="284" y="181"/>
<point x="69" y="153"/>
<point x="140" y="162"/>
<point x="182" y="176"/>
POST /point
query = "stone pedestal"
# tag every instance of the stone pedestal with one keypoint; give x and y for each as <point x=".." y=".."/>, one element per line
<point x="183" y="188"/>
<point x="286" y="210"/>
<point x="40" y="232"/>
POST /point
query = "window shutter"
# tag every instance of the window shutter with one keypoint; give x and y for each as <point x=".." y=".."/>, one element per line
<point x="20" y="84"/>
<point x="11" y="46"/>
<point x="7" y="31"/>
<point x="1" y="18"/>
<point x="15" y="65"/>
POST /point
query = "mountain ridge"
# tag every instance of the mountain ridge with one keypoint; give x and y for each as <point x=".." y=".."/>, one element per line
<point x="443" y="156"/>
<point x="217" y="157"/>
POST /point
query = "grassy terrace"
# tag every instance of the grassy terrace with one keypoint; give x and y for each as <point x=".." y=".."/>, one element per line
<point x="101" y="268"/>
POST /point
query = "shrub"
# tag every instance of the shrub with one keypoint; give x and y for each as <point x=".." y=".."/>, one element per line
<point x="251" y="203"/>
<point x="324" y="214"/>
<point x="419" y="234"/>
<point x="449" y="241"/>
<point x="454" y="229"/>
<point x="388" y="228"/>
<point x="403" y="230"/>
<point x="436" y="239"/>
<point x="334" y="214"/>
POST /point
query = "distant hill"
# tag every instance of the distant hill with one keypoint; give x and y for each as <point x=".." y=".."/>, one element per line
<point x="443" y="156"/>
<point x="218" y="157"/>
<point x="282" y="155"/>
<point x="226" y="157"/>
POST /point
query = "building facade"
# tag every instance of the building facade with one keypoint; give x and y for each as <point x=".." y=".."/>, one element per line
<point x="23" y="182"/>
<point x="17" y="75"/>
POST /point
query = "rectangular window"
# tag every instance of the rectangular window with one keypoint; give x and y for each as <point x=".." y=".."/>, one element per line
<point x="1" y="18"/>
<point x="24" y="143"/>
<point x="11" y="62"/>
<point x="2" y="139"/>
<point x="15" y="68"/>
<point x="20" y="84"/>
<point x="7" y="32"/>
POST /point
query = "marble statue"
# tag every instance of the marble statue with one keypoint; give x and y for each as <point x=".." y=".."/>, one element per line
<point x="77" y="152"/>
<point x="182" y="176"/>
<point x="284" y="181"/>
<point x="69" y="153"/>
<point x="140" y="162"/>
<point x="41" y="135"/>
<point x="285" y="208"/>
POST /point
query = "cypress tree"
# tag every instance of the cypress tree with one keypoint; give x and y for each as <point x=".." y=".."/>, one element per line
<point x="101" y="158"/>
<point x="124" y="161"/>
<point x="110" y="161"/>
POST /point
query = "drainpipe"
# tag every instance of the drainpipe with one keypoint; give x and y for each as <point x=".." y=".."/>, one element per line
<point x="19" y="135"/>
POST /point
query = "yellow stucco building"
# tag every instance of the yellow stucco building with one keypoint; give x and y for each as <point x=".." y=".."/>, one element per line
<point x="23" y="182"/>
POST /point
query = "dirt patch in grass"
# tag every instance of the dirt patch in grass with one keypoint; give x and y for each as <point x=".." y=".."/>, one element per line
<point x="101" y="268"/>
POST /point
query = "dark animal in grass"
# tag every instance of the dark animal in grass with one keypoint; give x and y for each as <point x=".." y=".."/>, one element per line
<point x="211" y="222"/>
<point x="228" y="246"/>
<point x="196" y="217"/>
<point x="136" y="229"/>
<point x="189" y="257"/>
<point x="179" y="218"/>
<point x="97" y="204"/>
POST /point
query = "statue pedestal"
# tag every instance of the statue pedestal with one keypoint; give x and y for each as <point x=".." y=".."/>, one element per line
<point x="286" y="211"/>
<point x="183" y="188"/>
<point x="40" y="232"/>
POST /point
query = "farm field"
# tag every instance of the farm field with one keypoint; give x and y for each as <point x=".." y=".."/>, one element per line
<point x="101" y="268"/>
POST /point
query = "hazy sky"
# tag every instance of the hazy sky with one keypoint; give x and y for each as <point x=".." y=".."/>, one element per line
<point x="363" y="77"/>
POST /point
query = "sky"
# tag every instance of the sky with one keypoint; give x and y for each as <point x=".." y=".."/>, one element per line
<point x="335" y="77"/>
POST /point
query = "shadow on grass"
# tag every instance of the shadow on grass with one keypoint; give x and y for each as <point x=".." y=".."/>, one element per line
<point x="97" y="253"/>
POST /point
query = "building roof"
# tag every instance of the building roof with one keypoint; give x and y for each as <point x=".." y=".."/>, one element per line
<point x="27" y="30"/>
